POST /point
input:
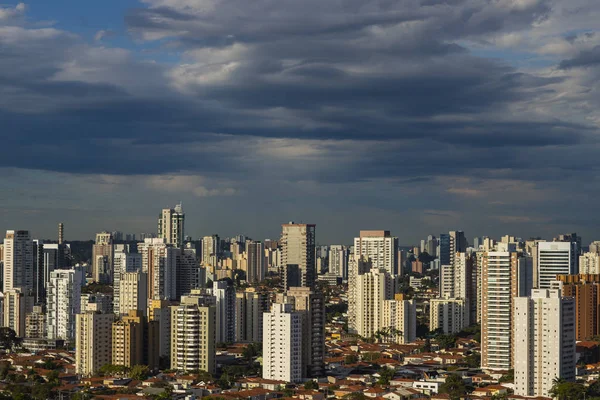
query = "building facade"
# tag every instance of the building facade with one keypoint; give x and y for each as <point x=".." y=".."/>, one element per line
<point x="544" y="345"/>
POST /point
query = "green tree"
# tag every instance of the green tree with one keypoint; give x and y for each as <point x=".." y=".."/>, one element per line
<point x="454" y="386"/>
<point x="139" y="372"/>
<point x="385" y="376"/>
<point x="41" y="392"/>
<point x="8" y="338"/>
<point x="53" y="378"/>
<point x="204" y="376"/>
<point x="446" y="341"/>
<point x="224" y="382"/>
<point x="111" y="369"/>
<point x="311" y="385"/>
<point x="563" y="390"/>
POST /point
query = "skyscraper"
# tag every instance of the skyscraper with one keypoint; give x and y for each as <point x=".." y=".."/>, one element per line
<point x="159" y="261"/>
<point x="585" y="290"/>
<point x="64" y="301"/>
<point x="399" y="324"/>
<point x="249" y="308"/>
<point x="311" y="305"/>
<point x="450" y="315"/>
<point x="18" y="262"/>
<point x="356" y="268"/>
<point x="123" y="262"/>
<point x="282" y="344"/>
<point x="501" y="283"/>
<point x="102" y="258"/>
<point x="298" y="255"/>
<point x="379" y="247"/>
<point x="133" y="293"/>
<point x="16" y="307"/>
<point x="589" y="263"/>
<point x="210" y="250"/>
<point x="544" y="341"/>
<point x="372" y="289"/>
<point x="224" y="293"/>
<point x="187" y="270"/>
<point x="193" y="335"/>
<point x="555" y="258"/>
<point x="338" y="261"/>
<point x="93" y="342"/>
<point x="171" y="225"/>
<point x="256" y="262"/>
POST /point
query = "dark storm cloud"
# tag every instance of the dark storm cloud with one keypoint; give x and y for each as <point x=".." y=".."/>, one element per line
<point x="372" y="89"/>
<point x="587" y="58"/>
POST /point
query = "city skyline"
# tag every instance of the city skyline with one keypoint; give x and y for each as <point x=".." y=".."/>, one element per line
<point x="409" y="116"/>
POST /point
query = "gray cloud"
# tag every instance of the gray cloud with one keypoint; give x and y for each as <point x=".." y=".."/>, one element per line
<point x="302" y="104"/>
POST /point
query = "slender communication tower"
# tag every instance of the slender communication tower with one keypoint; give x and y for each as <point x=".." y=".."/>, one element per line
<point x="61" y="231"/>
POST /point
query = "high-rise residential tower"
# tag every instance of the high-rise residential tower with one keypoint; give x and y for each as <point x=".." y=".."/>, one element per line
<point x="282" y="344"/>
<point x="380" y="247"/>
<point x="210" y="250"/>
<point x="256" y="269"/>
<point x="102" y="258"/>
<point x="338" y="261"/>
<point x="224" y="294"/>
<point x="64" y="301"/>
<point x="93" y="342"/>
<point x="18" y="262"/>
<point x="544" y="341"/>
<point x="502" y="280"/>
<point x="298" y="257"/>
<point x="311" y="305"/>
<point x="171" y="225"/>
<point x="193" y="335"/>
<point x="159" y="261"/>
<point x="249" y="308"/>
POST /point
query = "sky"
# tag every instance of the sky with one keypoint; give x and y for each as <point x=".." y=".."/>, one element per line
<point x="415" y="116"/>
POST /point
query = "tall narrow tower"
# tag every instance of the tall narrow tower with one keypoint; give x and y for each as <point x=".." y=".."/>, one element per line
<point x="171" y="225"/>
<point x="61" y="231"/>
<point x="298" y="256"/>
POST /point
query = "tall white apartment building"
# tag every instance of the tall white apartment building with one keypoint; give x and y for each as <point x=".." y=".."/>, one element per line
<point x="399" y="323"/>
<point x="210" y="250"/>
<point x="356" y="267"/>
<point x="159" y="261"/>
<point x="249" y="308"/>
<point x="380" y="247"/>
<point x="224" y="294"/>
<point x="298" y="258"/>
<point x="282" y="344"/>
<point x="589" y="263"/>
<point x="193" y="335"/>
<point x="544" y="344"/>
<point x="133" y="289"/>
<point x="171" y="225"/>
<point x="311" y="305"/>
<point x="338" y="261"/>
<point x="450" y="315"/>
<point x="93" y="342"/>
<point x="63" y="302"/>
<point x="501" y="281"/>
<point x="18" y="262"/>
<point x="16" y="306"/>
<point x="554" y="258"/>
<point x="372" y="289"/>
<point x="123" y="262"/>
